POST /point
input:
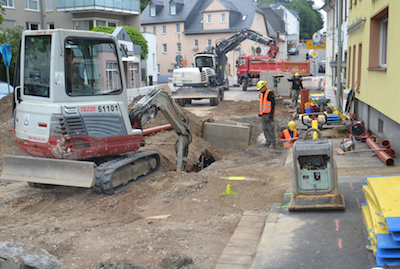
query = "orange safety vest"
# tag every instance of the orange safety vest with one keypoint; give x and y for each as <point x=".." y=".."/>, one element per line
<point x="289" y="144"/>
<point x="265" y="105"/>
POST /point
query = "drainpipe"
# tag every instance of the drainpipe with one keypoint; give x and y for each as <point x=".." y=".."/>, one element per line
<point x="41" y="14"/>
<point x="333" y="38"/>
<point x="339" y="62"/>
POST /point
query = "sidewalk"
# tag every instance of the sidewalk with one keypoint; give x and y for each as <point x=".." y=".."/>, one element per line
<point x="310" y="239"/>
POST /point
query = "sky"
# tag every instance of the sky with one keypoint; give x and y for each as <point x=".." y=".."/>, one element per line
<point x="319" y="4"/>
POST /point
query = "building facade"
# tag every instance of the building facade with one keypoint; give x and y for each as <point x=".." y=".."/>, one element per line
<point x="372" y="59"/>
<point x="292" y="22"/>
<point x="81" y="15"/>
<point x="78" y="14"/>
<point x="333" y="24"/>
<point x="184" y="28"/>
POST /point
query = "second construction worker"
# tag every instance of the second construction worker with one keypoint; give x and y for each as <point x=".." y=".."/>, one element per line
<point x="297" y="85"/>
<point x="266" y="113"/>
<point x="289" y="135"/>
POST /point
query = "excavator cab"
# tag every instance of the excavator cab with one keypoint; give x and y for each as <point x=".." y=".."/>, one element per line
<point x="71" y="114"/>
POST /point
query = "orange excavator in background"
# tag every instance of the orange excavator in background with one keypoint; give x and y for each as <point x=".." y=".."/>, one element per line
<point x="71" y="115"/>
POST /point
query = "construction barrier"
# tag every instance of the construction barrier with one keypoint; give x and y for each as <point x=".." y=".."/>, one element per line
<point x="313" y="83"/>
<point x="381" y="214"/>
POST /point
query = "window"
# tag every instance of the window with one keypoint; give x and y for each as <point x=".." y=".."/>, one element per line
<point x="154" y="30"/>
<point x="196" y="43"/>
<point x="173" y="9"/>
<point x="50" y="25"/>
<point x="164" y="29"/>
<point x="84" y="59"/>
<point x="223" y="17"/>
<point x="349" y="67"/>
<point x="378" y="37"/>
<point x="164" y="48"/>
<point x="37" y="66"/>
<point x="383" y="42"/>
<point x="32" y="26"/>
<point x="359" y="66"/>
<point x="144" y="29"/>
<point x="353" y="82"/>
<point x="178" y="47"/>
<point x="112" y="76"/>
<point x="380" y="126"/>
<point x="8" y="24"/>
<point x="208" y="42"/>
<point x="49" y="5"/>
<point x="7" y="3"/>
<point x="177" y="28"/>
<point x="86" y="24"/>
<point x="209" y="18"/>
<point x="158" y="68"/>
<point x="133" y="75"/>
<point x="32" y="5"/>
<point x="152" y="11"/>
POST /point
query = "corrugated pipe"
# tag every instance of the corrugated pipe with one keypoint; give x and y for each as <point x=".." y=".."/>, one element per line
<point x="157" y="129"/>
<point x="381" y="154"/>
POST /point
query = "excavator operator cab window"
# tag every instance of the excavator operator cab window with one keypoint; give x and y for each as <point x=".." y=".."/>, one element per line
<point x="204" y="61"/>
<point x="37" y="65"/>
<point x="91" y="67"/>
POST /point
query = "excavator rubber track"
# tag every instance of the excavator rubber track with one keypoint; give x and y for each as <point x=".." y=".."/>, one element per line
<point x="136" y="167"/>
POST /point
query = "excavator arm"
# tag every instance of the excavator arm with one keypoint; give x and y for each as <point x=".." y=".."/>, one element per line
<point x="225" y="45"/>
<point x="145" y="111"/>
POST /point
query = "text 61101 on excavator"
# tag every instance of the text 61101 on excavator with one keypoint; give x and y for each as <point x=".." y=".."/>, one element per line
<point x="71" y="114"/>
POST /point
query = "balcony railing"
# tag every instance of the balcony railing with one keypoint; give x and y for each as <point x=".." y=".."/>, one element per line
<point x="117" y="6"/>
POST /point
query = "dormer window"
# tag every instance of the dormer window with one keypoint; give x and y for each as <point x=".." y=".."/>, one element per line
<point x="209" y="18"/>
<point x="152" y="11"/>
<point x="223" y="17"/>
<point x="173" y="9"/>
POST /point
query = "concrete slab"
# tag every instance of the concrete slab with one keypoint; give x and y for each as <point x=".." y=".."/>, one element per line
<point x="242" y="246"/>
<point x="317" y="239"/>
<point x="227" y="136"/>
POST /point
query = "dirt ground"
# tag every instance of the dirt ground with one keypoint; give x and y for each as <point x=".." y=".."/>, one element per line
<point x="169" y="220"/>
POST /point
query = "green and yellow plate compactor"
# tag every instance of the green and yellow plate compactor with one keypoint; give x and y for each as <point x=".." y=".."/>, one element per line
<point x="314" y="177"/>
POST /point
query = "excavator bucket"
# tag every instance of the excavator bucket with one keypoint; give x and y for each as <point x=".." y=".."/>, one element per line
<point x="49" y="171"/>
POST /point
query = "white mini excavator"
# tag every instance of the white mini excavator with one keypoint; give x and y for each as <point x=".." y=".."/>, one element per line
<point x="71" y="115"/>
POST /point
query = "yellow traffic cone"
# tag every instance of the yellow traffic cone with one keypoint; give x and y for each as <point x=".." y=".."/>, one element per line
<point x="228" y="189"/>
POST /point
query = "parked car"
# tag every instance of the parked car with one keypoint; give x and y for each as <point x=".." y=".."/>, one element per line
<point x="293" y="51"/>
<point x="321" y="67"/>
<point x="4" y="89"/>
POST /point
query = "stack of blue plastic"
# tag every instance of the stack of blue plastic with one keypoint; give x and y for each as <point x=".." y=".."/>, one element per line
<point x="382" y="218"/>
<point x="332" y="118"/>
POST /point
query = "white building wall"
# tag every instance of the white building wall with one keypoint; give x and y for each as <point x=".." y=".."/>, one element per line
<point x="331" y="44"/>
<point x="150" y="64"/>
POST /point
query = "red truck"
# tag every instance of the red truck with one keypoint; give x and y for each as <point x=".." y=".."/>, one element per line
<point x="249" y="68"/>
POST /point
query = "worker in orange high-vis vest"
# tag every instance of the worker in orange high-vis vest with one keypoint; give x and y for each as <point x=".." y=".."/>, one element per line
<point x="266" y="113"/>
<point x="289" y="135"/>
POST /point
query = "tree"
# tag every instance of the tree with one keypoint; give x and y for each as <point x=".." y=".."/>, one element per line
<point x="134" y="34"/>
<point x="143" y="4"/>
<point x="310" y="19"/>
<point x="2" y="12"/>
<point x="12" y="36"/>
